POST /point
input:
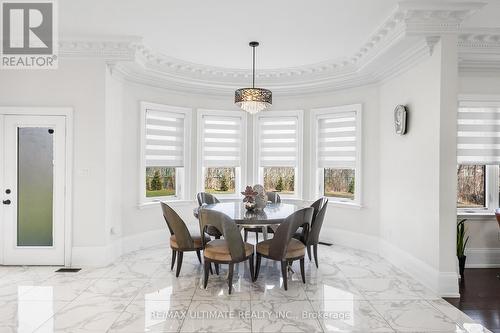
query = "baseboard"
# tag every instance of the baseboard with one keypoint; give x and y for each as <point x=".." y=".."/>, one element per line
<point x="444" y="284"/>
<point x="482" y="258"/>
<point x="350" y="239"/>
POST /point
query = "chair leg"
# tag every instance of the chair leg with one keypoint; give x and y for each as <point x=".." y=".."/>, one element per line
<point x="216" y="268"/>
<point x="284" y="273"/>
<point x="230" y="278"/>
<point x="252" y="270"/>
<point x="207" y="266"/>
<point x="179" y="263"/>
<point x="256" y="237"/>
<point x="198" y="255"/>
<point x="210" y="266"/>
<point x="302" y="270"/>
<point x="308" y="247"/>
<point x="173" y="259"/>
<point x="245" y="237"/>
<point x="315" y="249"/>
<point x="257" y="266"/>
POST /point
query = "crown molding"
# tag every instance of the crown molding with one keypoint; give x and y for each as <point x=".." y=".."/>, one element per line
<point x="407" y="36"/>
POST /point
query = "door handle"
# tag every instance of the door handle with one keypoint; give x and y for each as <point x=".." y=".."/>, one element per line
<point x="6" y="202"/>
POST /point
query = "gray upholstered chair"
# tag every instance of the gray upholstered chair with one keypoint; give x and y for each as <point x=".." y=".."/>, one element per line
<point x="205" y="198"/>
<point x="283" y="247"/>
<point x="181" y="239"/>
<point x="272" y="197"/>
<point x="319" y="206"/>
<point x="229" y="250"/>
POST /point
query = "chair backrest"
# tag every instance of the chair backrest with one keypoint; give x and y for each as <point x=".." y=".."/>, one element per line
<point x="319" y="206"/>
<point x="286" y="230"/>
<point x="206" y="198"/>
<point x="177" y="227"/>
<point x="273" y="197"/>
<point x="227" y="227"/>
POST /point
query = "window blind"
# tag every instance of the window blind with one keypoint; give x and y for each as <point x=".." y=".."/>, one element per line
<point x="478" y="135"/>
<point x="222" y="141"/>
<point x="164" y="139"/>
<point x="278" y="141"/>
<point x="337" y="140"/>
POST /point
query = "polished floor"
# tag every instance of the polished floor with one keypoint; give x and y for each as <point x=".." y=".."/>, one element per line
<point x="352" y="291"/>
<point x="480" y="296"/>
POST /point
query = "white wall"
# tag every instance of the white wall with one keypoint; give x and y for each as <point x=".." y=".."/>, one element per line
<point x="78" y="84"/>
<point x="417" y="210"/>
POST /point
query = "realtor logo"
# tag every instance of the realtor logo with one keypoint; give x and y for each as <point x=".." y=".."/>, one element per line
<point x="29" y="36"/>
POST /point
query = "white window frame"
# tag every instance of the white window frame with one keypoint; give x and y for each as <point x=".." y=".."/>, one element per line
<point x="259" y="174"/>
<point x="240" y="174"/>
<point x="492" y="181"/>
<point x="182" y="175"/>
<point x="318" y="173"/>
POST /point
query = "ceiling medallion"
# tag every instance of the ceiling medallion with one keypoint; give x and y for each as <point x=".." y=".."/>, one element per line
<point x="253" y="100"/>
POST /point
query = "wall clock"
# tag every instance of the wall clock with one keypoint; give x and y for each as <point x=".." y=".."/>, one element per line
<point x="400" y="119"/>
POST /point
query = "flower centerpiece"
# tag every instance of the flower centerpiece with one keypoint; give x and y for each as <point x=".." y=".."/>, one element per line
<point x="249" y="198"/>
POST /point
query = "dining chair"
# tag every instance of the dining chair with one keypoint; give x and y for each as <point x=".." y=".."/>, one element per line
<point x="312" y="239"/>
<point x="205" y="198"/>
<point x="283" y="247"/>
<point x="273" y="197"/>
<point x="181" y="240"/>
<point x="230" y="250"/>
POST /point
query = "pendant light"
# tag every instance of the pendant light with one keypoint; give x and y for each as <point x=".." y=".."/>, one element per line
<point x="253" y="99"/>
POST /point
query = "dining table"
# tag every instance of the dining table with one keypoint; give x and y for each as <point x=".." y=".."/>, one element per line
<point x="271" y="216"/>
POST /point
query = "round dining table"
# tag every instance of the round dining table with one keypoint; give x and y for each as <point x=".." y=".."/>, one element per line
<point x="271" y="216"/>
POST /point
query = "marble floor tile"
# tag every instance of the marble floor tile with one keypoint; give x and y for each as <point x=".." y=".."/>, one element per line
<point x="26" y="315"/>
<point x="384" y="289"/>
<point x="58" y="288"/>
<point x="126" y="289"/>
<point x="217" y="316"/>
<point x="284" y="316"/>
<point x="169" y="288"/>
<point x="152" y="315"/>
<point x="217" y="288"/>
<point x="468" y="324"/>
<point x="86" y="315"/>
<point x="415" y="316"/>
<point x="133" y="270"/>
<point x="332" y="289"/>
<point x="349" y="316"/>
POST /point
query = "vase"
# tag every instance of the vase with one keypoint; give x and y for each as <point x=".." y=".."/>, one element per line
<point x="260" y="201"/>
<point x="461" y="266"/>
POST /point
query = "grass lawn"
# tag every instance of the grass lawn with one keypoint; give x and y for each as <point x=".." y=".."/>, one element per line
<point x="214" y="191"/>
<point x="345" y="195"/>
<point x="160" y="193"/>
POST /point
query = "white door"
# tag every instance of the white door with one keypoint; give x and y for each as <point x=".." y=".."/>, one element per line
<point x="33" y="189"/>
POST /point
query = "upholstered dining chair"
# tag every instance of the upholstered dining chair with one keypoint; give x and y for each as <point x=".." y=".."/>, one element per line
<point x="205" y="198"/>
<point x="273" y="197"/>
<point x="283" y="247"/>
<point x="230" y="250"/>
<point x="181" y="239"/>
<point x="312" y="239"/>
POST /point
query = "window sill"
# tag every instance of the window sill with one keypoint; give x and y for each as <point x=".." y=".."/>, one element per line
<point x="342" y="204"/>
<point x="476" y="215"/>
<point x="152" y="204"/>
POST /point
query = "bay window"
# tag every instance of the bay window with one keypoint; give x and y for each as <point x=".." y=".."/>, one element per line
<point x="222" y="151"/>
<point x="278" y="146"/>
<point x="164" y="154"/>
<point x="478" y="156"/>
<point x="337" y="153"/>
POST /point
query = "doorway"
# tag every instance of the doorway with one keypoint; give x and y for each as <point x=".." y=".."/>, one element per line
<point x="34" y="189"/>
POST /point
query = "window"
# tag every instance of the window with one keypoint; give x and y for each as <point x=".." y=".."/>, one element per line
<point x="222" y="151"/>
<point x="478" y="156"/>
<point x="337" y="152"/>
<point x="471" y="189"/>
<point x="164" y="153"/>
<point x="278" y="142"/>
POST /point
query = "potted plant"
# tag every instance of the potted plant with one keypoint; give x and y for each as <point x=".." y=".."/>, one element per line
<point x="461" y="244"/>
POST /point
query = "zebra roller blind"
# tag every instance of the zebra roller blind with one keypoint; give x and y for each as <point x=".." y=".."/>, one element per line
<point x="337" y="140"/>
<point x="278" y="141"/>
<point x="222" y="140"/>
<point x="164" y="139"/>
<point x="478" y="135"/>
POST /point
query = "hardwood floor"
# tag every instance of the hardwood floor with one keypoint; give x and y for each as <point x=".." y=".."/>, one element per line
<point x="480" y="296"/>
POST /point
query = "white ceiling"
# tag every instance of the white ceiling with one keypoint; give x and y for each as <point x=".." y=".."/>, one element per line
<point x="292" y="33"/>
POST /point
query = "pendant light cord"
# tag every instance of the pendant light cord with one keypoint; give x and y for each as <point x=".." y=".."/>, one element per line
<point x="253" y="68"/>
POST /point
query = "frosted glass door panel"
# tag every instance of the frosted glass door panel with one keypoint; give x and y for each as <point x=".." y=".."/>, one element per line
<point x="35" y="155"/>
